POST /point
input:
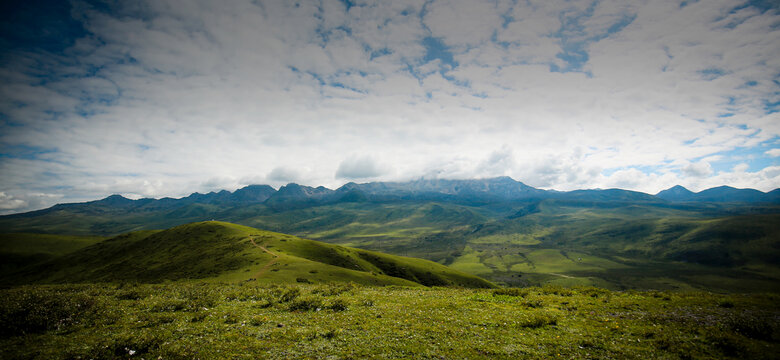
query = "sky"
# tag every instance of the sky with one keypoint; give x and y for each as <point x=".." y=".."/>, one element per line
<point x="164" y="98"/>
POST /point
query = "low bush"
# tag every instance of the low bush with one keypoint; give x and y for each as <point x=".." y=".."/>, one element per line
<point x="36" y="310"/>
<point x="308" y="303"/>
<point x="511" y="292"/>
<point x="537" y="320"/>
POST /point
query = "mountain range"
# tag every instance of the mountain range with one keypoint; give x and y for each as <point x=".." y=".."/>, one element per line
<point x="476" y="191"/>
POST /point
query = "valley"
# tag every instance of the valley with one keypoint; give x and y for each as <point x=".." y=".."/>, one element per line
<point x="498" y="229"/>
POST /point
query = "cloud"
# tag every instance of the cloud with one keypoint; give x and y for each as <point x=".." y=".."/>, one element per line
<point x="499" y="163"/>
<point x="160" y="98"/>
<point x="773" y="152"/>
<point x="13" y="203"/>
<point x="281" y="174"/>
<point x="462" y="23"/>
<point x="8" y="202"/>
<point x="359" y="167"/>
<point x="698" y="169"/>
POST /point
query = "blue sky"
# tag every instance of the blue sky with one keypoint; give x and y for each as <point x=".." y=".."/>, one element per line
<point x="164" y="98"/>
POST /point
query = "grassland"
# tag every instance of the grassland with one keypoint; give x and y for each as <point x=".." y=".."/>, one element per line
<point x="19" y="250"/>
<point x="714" y="247"/>
<point x="220" y="251"/>
<point x="618" y="247"/>
<point x="190" y="320"/>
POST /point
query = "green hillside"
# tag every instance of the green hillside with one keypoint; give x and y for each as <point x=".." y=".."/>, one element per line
<point x="222" y="251"/>
<point x="18" y="250"/>
<point x="617" y="245"/>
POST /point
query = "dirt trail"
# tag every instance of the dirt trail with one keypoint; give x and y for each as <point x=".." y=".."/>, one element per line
<point x="270" y="263"/>
<point x="564" y="276"/>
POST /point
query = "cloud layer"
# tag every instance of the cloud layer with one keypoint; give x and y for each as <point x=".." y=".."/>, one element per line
<point x="162" y="98"/>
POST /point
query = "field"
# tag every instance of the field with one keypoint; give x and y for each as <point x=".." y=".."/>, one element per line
<point x="200" y="320"/>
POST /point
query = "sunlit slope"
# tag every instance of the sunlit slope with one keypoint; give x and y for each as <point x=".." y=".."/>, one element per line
<point x="627" y="248"/>
<point x="223" y="251"/>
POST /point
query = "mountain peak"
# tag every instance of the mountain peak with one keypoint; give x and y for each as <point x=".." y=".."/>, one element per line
<point x="253" y="193"/>
<point x="676" y="193"/>
<point x="677" y="189"/>
<point x="115" y="199"/>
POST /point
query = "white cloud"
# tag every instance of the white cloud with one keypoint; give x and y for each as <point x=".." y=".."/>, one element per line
<point x="697" y="169"/>
<point x="164" y="98"/>
<point x="462" y="23"/>
<point x="773" y="152"/>
<point x="8" y="202"/>
<point x="359" y="167"/>
<point x="282" y="174"/>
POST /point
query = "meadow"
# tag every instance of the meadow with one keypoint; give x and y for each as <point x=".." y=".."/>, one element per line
<point x="613" y="243"/>
<point x="201" y="320"/>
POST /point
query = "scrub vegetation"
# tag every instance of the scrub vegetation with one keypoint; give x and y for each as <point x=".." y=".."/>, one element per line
<point x="246" y="320"/>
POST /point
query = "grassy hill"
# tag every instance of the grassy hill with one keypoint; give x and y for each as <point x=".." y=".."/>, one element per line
<point x="613" y="244"/>
<point x="222" y="251"/>
<point x="18" y="250"/>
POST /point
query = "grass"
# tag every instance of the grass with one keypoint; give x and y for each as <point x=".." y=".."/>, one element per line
<point x="219" y="251"/>
<point x="25" y="243"/>
<point x="185" y="320"/>
<point x="621" y="245"/>
<point x="18" y="250"/>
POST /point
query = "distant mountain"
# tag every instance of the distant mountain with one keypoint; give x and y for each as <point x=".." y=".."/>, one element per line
<point x="253" y="193"/>
<point x="606" y="195"/>
<point x="499" y="188"/>
<point x="115" y="214"/>
<point x="720" y="194"/>
<point x="676" y="193"/>
<point x="730" y="194"/>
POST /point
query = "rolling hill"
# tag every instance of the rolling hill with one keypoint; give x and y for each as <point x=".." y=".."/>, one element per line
<point x="219" y="251"/>
<point x="722" y="239"/>
<point x="18" y="250"/>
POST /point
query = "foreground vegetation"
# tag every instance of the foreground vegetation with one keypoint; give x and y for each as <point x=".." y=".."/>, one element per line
<point x="186" y="320"/>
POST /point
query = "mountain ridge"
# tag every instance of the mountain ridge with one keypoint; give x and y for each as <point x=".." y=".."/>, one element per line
<point x="487" y="190"/>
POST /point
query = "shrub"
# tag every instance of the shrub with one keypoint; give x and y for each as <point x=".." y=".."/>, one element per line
<point x="36" y="310"/>
<point x="533" y="303"/>
<point x="131" y="294"/>
<point x="556" y="290"/>
<point x="752" y="326"/>
<point x="729" y="344"/>
<point x="594" y="291"/>
<point x="306" y="304"/>
<point x="285" y="294"/>
<point x="511" y="292"/>
<point x="537" y="320"/>
<point x="338" y="305"/>
<point x="726" y="304"/>
<point x="333" y="289"/>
